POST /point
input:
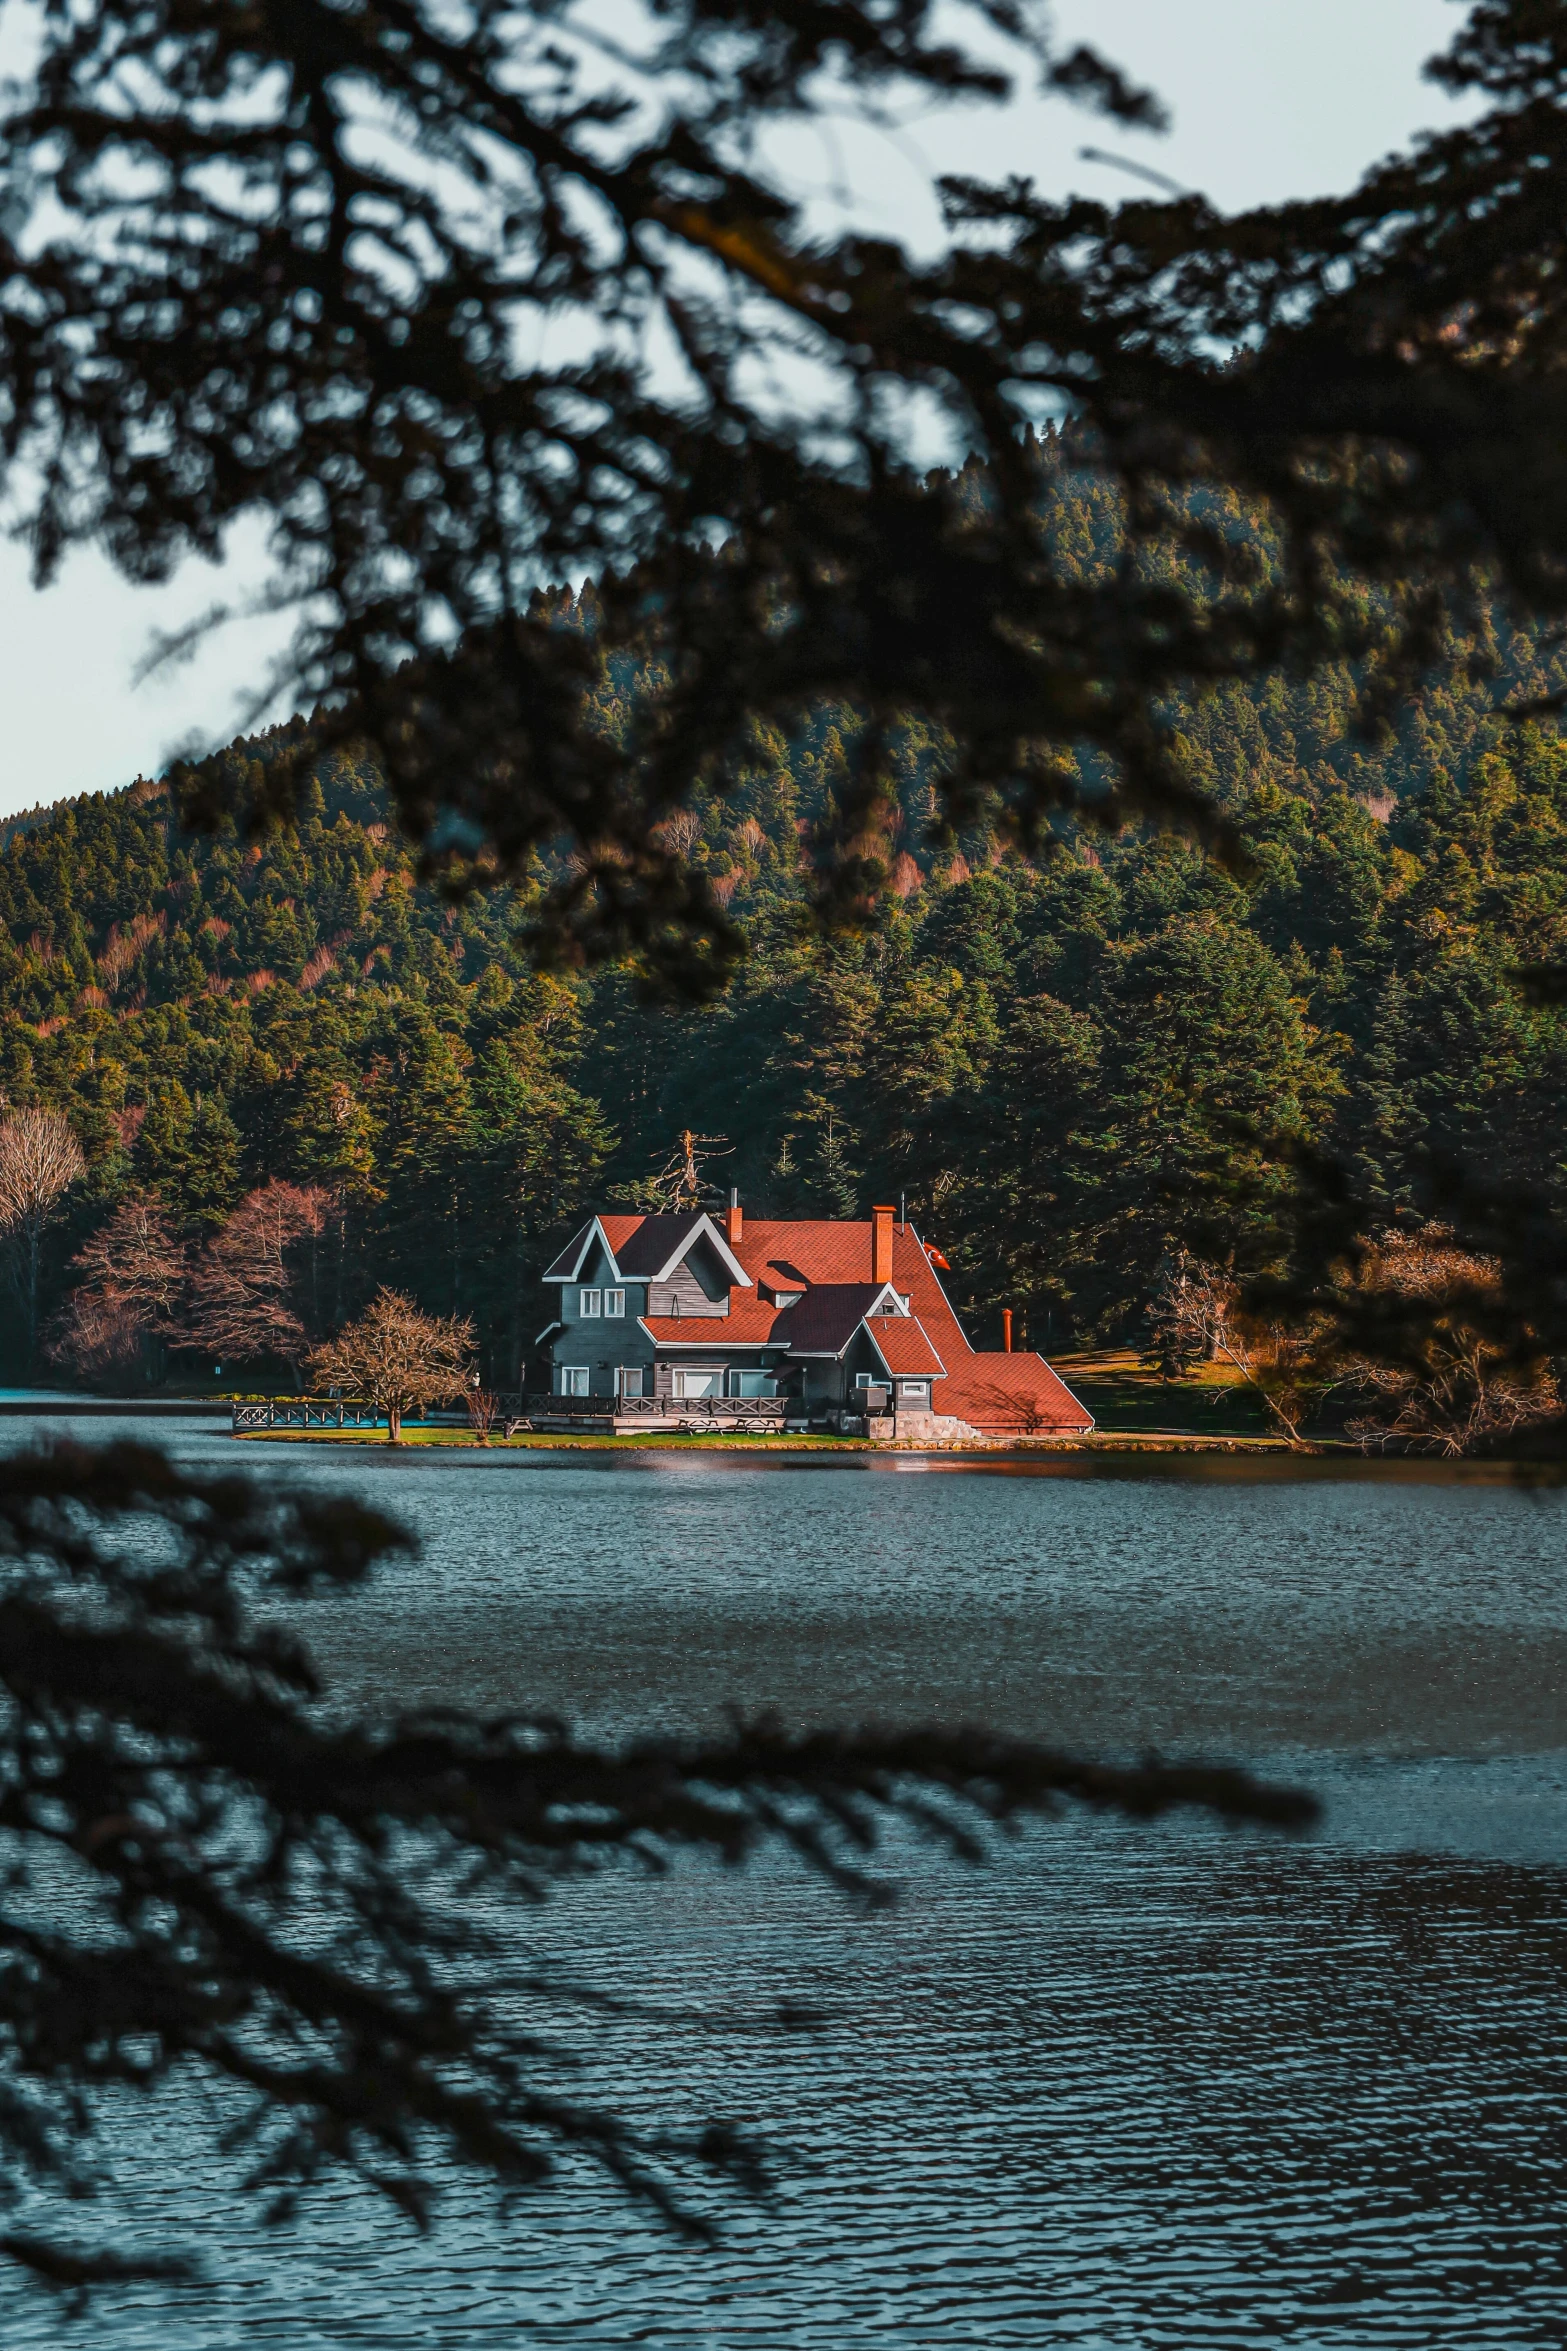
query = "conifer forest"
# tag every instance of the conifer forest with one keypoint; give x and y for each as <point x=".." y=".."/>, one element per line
<point x="1072" y="1065"/>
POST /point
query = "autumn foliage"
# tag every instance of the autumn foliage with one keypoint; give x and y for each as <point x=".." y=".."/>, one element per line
<point x="245" y="1287"/>
<point x="141" y="1289"/>
<point x="40" y="1159"/>
<point x="132" y="1278"/>
<point x="398" y="1359"/>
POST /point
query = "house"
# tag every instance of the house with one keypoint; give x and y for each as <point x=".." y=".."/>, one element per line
<point x="686" y="1319"/>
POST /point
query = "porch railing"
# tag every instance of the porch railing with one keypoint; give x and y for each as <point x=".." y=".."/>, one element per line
<point x="731" y="1410"/>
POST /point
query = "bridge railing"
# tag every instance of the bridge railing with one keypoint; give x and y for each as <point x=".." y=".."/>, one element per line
<point x="305" y="1412"/>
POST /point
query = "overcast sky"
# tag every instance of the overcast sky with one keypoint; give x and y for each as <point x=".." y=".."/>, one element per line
<point x="1270" y="99"/>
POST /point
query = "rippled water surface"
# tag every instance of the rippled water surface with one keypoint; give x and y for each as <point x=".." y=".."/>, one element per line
<point x="1119" y="2088"/>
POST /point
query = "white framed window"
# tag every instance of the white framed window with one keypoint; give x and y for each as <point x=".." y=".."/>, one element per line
<point x="915" y="1390"/>
<point x="590" y="1304"/>
<point x="614" y="1302"/>
<point x="573" y="1379"/>
<point x="697" y="1383"/>
<point x="631" y="1379"/>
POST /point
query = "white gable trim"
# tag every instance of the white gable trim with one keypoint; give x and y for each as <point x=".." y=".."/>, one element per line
<point x="739" y="1278"/>
<point x="595" y="1231"/>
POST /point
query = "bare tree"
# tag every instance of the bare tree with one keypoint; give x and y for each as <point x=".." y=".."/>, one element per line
<point x="483" y="1409"/>
<point x="682" y="1182"/>
<point x="1197" y="1316"/>
<point x="399" y="1359"/>
<point x="1446" y="1377"/>
<point x="40" y="1159"/>
<point x="245" y="1285"/>
<point x="133" y="1275"/>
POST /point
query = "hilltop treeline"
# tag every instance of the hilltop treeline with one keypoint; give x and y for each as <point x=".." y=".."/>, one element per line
<point x="1067" y="1066"/>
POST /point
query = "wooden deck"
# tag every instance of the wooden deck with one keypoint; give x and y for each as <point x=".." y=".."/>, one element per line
<point x="626" y="1415"/>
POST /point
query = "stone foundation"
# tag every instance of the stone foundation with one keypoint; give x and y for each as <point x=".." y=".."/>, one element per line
<point x="937" y="1430"/>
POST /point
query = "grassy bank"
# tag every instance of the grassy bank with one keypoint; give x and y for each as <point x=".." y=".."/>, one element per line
<point x="460" y="1440"/>
<point x="1126" y="1398"/>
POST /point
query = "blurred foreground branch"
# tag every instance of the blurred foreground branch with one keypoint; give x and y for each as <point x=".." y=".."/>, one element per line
<point x="235" y="1882"/>
<point x="506" y="301"/>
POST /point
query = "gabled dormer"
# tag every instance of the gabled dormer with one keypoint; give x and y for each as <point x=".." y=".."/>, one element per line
<point x="673" y="1265"/>
<point x="697" y="1280"/>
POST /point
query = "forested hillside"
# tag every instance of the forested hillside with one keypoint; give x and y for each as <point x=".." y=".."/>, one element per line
<point x="1064" y="1065"/>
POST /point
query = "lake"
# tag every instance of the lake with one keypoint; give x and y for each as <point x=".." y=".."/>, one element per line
<point x="1130" y="2088"/>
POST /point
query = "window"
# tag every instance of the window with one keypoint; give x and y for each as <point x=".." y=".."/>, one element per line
<point x="750" y="1383"/>
<point x="590" y="1304"/>
<point x="915" y="1390"/>
<point x="573" y="1379"/>
<point x="696" y="1383"/>
<point x="614" y="1301"/>
<point x="631" y="1379"/>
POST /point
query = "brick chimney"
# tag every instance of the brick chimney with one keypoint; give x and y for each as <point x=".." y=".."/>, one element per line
<point x="1006" y="1330"/>
<point x="734" y="1221"/>
<point x="881" y="1244"/>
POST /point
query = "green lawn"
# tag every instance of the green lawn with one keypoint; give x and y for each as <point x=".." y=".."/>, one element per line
<point x="1127" y="1399"/>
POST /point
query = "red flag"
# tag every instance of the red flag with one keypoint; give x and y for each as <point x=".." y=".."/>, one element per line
<point x="936" y="1258"/>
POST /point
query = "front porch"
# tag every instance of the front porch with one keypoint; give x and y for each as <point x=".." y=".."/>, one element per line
<point x="622" y="1416"/>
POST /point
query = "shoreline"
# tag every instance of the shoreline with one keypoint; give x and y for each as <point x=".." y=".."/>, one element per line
<point x="1109" y="1447"/>
<point x="1081" y="1456"/>
<point x="671" y="1441"/>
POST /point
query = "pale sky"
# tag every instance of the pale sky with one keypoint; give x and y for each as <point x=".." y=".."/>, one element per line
<point x="1270" y="99"/>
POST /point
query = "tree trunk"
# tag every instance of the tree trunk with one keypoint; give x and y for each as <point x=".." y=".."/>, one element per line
<point x="394" y="1424"/>
<point x="33" y="1231"/>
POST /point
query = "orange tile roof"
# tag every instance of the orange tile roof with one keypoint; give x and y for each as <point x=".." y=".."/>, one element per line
<point x="750" y="1322"/>
<point x="904" y="1346"/>
<point x="809" y="1250"/>
<point x="1012" y="1395"/>
<point x="1000" y="1394"/>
